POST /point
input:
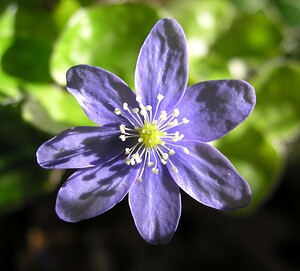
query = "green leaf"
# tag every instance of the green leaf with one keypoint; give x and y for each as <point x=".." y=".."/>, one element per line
<point x="21" y="179"/>
<point x="277" y="112"/>
<point x="203" y="22"/>
<point x="28" y="59"/>
<point x="7" y="20"/>
<point x="9" y="89"/>
<point x="105" y="36"/>
<point x="63" y="11"/>
<point x="290" y="11"/>
<point x="28" y="55"/>
<point x="252" y="36"/>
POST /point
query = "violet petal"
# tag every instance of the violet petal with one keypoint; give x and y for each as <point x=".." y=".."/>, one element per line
<point x="215" y="107"/>
<point x="155" y="205"/>
<point x="80" y="147"/>
<point x="92" y="191"/>
<point x="208" y="176"/>
<point x="162" y="65"/>
<point x="99" y="93"/>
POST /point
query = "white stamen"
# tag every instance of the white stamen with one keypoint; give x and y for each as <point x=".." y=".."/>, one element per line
<point x="125" y="106"/>
<point x="171" y="152"/>
<point x="155" y="170"/>
<point x="122" y="128"/>
<point x="175" y="169"/>
<point x="132" y="161"/>
<point x="117" y="111"/>
<point x="176" y="136"/>
<point x="185" y="121"/>
<point x="122" y="137"/>
<point x="165" y="156"/>
<point x="127" y="161"/>
<point x="186" y="150"/>
<point x="164" y="162"/>
<point x="159" y="97"/>
<point x="138" y="98"/>
<point x="153" y="144"/>
<point x="163" y="115"/>
<point x="139" y="179"/>
<point x="143" y="112"/>
<point x="176" y="112"/>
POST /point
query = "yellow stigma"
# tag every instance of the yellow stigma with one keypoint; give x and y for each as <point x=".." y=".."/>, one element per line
<point x="150" y="135"/>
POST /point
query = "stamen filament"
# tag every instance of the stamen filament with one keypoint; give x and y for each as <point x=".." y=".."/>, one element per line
<point x="150" y="129"/>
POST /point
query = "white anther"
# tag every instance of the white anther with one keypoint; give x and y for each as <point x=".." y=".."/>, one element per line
<point x="122" y="128"/>
<point x="135" y="110"/>
<point x="132" y="161"/>
<point x="181" y="137"/>
<point x="186" y="150"/>
<point x="138" y="159"/>
<point x="175" y="169"/>
<point x="150" y="164"/>
<point x="163" y="161"/>
<point x="143" y="112"/>
<point x="185" y="121"/>
<point x="138" y="98"/>
<point x="127" y="161"/>
<point x="148" y="107"/>
<point x="122" y="137"/>
<point x="140" y="139"/>
<point x="139" y="179"/>
<point x="155" y="170"/>
<point x="159" y="97"/>
<point x="127" y="151"/>
<point x="176" y="112"/>
<point x="163" y="115"/>
<point x="176" y="137"/>
<point x="171" y="152"/>
<point x="117" y="111"/>
<point x="165" y="156"/>
<point x="125" y="106"/>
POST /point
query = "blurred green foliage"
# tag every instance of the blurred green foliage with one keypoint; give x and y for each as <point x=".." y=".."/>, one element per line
<point x="255" y="40"/>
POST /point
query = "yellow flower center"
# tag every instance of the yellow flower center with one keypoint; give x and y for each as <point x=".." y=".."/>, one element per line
<point x="154" y="139"/>
<point x="150" y="135"/>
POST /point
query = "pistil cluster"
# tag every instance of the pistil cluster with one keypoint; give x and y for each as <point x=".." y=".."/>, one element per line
<point x="151" y="129"/>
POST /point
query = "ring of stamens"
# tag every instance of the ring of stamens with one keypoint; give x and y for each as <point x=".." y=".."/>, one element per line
<point x="151" y="133"/>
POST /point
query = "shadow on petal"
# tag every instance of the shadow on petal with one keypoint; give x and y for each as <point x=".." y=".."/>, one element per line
<point x="208" y="176"/>
<point x="80" y="147"/>
<point x="92" y="191"/>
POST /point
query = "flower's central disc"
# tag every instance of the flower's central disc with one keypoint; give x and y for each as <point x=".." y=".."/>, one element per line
<point x="154" y="134"/>
<point x="150" y="135"/>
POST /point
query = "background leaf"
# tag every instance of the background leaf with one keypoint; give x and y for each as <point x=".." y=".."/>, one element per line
<point x="105" y="36"/>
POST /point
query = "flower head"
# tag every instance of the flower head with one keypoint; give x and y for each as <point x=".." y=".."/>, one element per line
<point x="150" y="142"/>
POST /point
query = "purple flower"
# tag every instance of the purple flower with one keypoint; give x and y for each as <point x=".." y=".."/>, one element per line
<point x="150" y="142"/>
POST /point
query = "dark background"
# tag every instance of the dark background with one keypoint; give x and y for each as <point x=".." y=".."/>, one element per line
<point x="34" y="238"/>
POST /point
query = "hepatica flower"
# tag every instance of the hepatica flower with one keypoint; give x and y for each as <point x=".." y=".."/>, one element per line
<point x="151" y="142"/>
